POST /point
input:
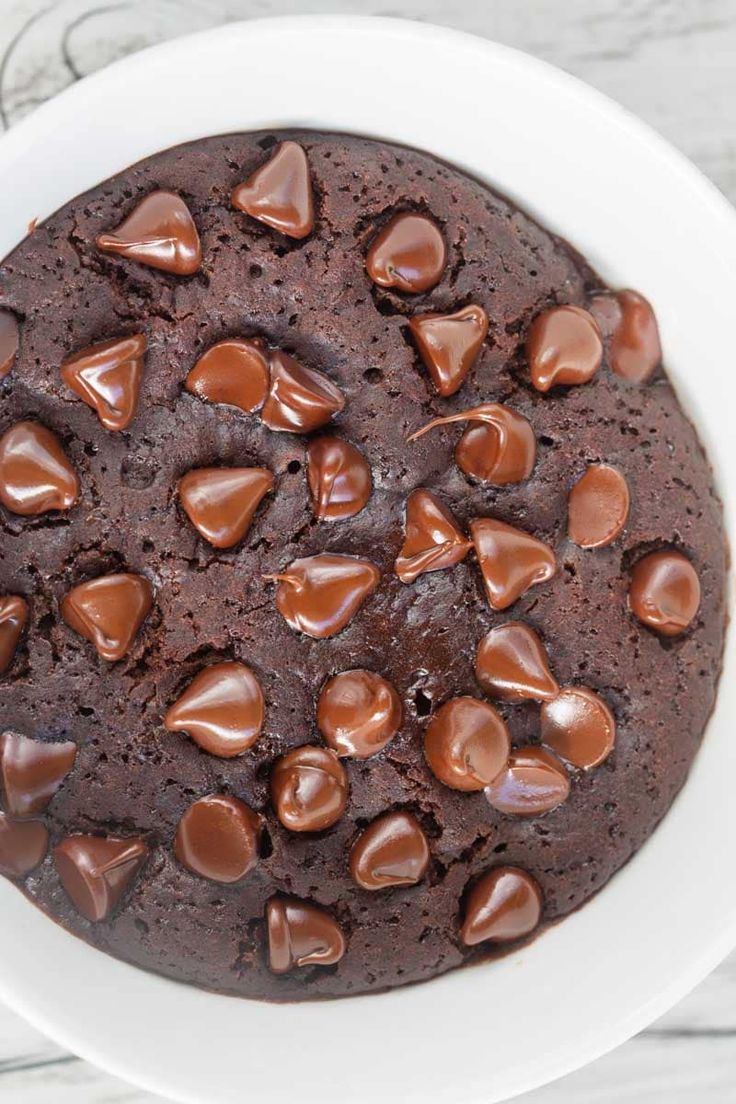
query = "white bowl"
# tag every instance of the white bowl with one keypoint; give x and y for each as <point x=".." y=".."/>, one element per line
<point x="645" y="217"/>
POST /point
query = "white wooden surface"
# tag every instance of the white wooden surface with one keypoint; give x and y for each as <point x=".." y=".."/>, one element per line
<point x="673" y="62"/>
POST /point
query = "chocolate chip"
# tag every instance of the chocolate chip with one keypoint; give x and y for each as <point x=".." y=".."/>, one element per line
<point x="319" y="595"/>
<point x="578" y="726"/>
<point x="300" y="934"/>
<point x="309" y="789"/>
<point x="466" y="744"/>
<point x="358" y="713"/>
<point x="512" y="664"/>
<point x="107" y="377"/>
<point x="511" y="561"/>
<point x="505" y="904"/>
<point x="598" y="506"/>
<point x="221" y="502"/>
<point x="13" y="617"/>
<point x="499" y="449"/>
<point x="160" y="233"/>
<point x="339" y="478"/>
<point x="533" y="782"/>
<point x="218" y="838"/>
<point x="300" y="399"/>
<point x="433" y="539"/>
<point x="279" y="193"/>
<point x="31" y="771"/>
<point x="665" y="592"/>
<point x="392" y="851"/>
<point x="9" y="341"/>
<point x="108" y="611"/>
<point x="563" y="346"/>
<point x="409" y="254"/>
<point x="95" y="871"/>
<point x="635" y="350"/>
<point x="35" y="474"/>
<point x="234" y="373"/>
<point x="449" y="345"/>
<point x="222" y="710"/>
<point x="23" y="846"/>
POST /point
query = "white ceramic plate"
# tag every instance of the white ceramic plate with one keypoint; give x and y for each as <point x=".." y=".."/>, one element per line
<point x="645" y="217"/>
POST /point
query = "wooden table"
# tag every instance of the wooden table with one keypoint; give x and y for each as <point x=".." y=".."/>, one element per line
<point x="673" y="62"/>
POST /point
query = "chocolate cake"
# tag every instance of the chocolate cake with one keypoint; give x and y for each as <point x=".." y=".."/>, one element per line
<point x="361" y="576"/>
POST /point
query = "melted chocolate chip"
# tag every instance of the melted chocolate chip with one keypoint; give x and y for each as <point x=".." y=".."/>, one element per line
<point x="635" y="350"/>
<point x="320" y="594"/>
<point x="108" y="611"/>
<point x="533" y="782"/>
<point x="598" y="506"/>
<point x="392" y="851"/>
<point x="512" y="665"/>
<point x="500" y="449"/>
<point x="449" y="345"/>
<point x="300" y="399"/>
<point x="222" y="710"/>
<point x="563" y="346"/>
<point x="505" y="904"/>
<point x="234" y="373"/>
<point x="511" y="561"/>
<point x="9" y="341"/>
<point x="279" y="193"/>
<point x="221" y="502"/>
<point x="665" y="592"/>
<point x="95" y="871"/>
<point x="409" y="254"/>
<point x="23" y="846"/>
<point x="218" y="838"/>
<point x="35" y="474"/>
<point x="31" y="772"/>
<point x="160" y="233"/>
<point x="107" y="377"/>
<point x="358" y="713"/>
<point x="339" y="478"/>
<point x="309" y="789"/>
<point x="578" y="726"/>
<point x="466" y="744"/>
<point x="13" y="617"/>
<point x="300" y="934"/>
<point x="433" y="539"/>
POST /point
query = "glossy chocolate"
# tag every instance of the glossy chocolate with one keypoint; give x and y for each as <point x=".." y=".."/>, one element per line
<point x="597" y="506"/>
<point x="221" y="502"/>
<point x="511" y="561"/>
<point x="466" y="744"/>
<point x="533" y="782"/>
<point x="499" y="447"/>
<point x="408" y="254"/>
<point x="512" y="664"/>
<point x="563" y="346"/>
<point x="13" y="618"/>
<point x="107" y="377"/>
<point x="9" y="341"/>
<point x="449" y="345"/>
<point x="391" y="851"/>
<point x="218" y="838"/>
<point x="31" y="771"/>
<point x="579" y="727"/>
<point x="109" y="611"/>
<point x="222" y="709"/>
<point x="95" y="871"/>
<point x="319" y="595"/>
<point x="635" y="351"/>
<point x="23" y="846"/>
<point x="358" y="713"/>
<point x="300" y="934"/>
<point x="665" y="592"/>
<point x="505" y="904"/>
<point x="339" y="478"/>
<point x="234" y="373"/>
<point x="299" y="399"/>
<point x="160" y="233"/>
<point x="280" y="193"/>
<point x="433" y="540"/>
<point x="35" y="474"/>
<point x="309" y="789"/>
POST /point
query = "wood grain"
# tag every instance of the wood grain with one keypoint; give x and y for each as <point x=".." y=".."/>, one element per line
<point x="672" y="62"/>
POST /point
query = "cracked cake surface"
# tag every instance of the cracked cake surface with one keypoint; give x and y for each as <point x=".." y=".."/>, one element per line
<point x="300" y="910"/>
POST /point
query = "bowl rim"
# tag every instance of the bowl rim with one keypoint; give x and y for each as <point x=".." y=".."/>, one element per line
<point x="167" y="1069"/>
